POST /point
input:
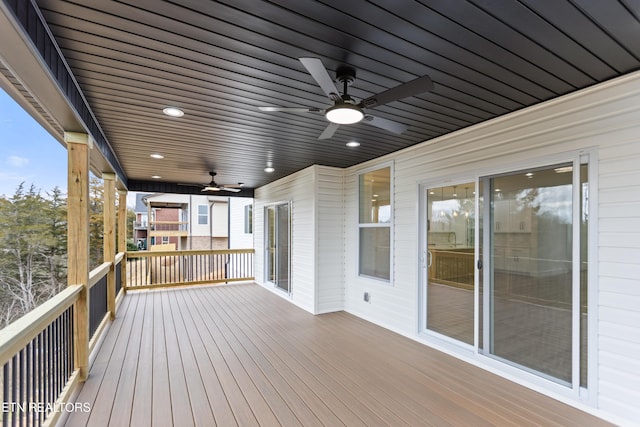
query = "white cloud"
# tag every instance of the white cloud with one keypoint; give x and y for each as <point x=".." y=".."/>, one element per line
<point x="17" y="161"/>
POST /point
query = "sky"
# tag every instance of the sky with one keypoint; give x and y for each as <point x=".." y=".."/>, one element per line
<point x="28" y="153"/>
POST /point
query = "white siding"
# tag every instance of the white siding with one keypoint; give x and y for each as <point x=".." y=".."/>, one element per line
<point x="215" y="204"/>
<point x="619" y="271"/>
<point x="298" y="189"/>
<point x="238" y="239"/>
<point x="330" y="239"/>
<point x="606" y="119"/>
<point x="220" y="219"/>
<point x="316" y="196"/>
<point x="603" y="120"/>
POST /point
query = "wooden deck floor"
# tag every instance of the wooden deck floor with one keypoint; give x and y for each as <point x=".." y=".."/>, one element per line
<point x="239" y="355"/>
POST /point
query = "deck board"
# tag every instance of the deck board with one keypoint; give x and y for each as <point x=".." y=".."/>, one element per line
<point x="179" y="392"/>
<point x="142" y="397"/>
<point x="240" y="355"/>
<point x="317" y="396"/>
<point x="213" y="389"/>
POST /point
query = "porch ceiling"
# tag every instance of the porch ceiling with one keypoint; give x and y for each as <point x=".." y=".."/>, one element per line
<point x="219" y="61"/>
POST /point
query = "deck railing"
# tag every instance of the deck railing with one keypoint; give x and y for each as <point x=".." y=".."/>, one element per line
<point x="37" y="355"/>
<point x="38" y="352"/>
<point x="452" y="267"/>
<point x="169" y="225"/>
<point x="154" y="269"/>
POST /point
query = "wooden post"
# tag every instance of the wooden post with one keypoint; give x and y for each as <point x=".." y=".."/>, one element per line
<point x="150" y="226"/>
<point x="122" y="235"/>
<point x="109" y="238"/>
<point x="122" y="220"/>
<point x="78" y="146"/>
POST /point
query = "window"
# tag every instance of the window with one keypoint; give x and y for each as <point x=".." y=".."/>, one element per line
<point x="165" y="240"/>
<point x="375" y="212"/>
<point x="203" y="214"/>
<point x="248" y="219"/>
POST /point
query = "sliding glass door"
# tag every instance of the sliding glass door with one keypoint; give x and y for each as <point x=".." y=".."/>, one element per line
<point x="277" y="242"/>
<point x="532" y="271"/>
<point x="511" y="280"/>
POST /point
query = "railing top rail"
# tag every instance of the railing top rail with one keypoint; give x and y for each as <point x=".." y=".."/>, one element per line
<point x="168" y="222"/>
<point x="142" y="254"/>
<point x="98" y="273"/>
<point x="18" y="334"/>
<point x="119" y="257"/>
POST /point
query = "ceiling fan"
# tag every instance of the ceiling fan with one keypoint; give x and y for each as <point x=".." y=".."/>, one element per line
<point x="212" y="186"/>
<point x="345" y="110"/>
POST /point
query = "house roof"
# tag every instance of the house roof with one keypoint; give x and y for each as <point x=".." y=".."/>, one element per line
<point x="141" y="206"/>
<point x="220" y="61"/>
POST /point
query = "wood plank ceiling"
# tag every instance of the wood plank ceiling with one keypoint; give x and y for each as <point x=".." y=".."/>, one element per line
<point x="221" y="60"/>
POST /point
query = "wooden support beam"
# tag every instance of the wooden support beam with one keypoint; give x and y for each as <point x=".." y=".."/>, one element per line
<point x="78" y="147"/>
<point x="122" y="235"/>
<point x="109" y="238"/>
<point x="122" y="220"/>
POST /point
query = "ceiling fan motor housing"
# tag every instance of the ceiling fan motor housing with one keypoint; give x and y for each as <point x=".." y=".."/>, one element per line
<point x="345" y="75"/>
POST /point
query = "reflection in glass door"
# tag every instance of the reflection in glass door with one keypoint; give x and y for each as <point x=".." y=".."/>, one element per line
<point x="450" y="238"/>
<point x="527" y="303"/>
<point x="277" y="242"/>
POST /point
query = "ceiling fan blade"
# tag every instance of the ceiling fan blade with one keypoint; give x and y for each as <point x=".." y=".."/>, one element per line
<point x="385" y="124"/>
<point x="291" y="109"/>
<point x="329" y="131"/>
<point x="316" y="68"/>
<point x="208" y="188"/>
<point x="231" y="189"/>
<point x="405" y="90"/>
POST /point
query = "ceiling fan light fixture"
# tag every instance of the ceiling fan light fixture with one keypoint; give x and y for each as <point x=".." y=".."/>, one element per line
<point x="344" y="114"/>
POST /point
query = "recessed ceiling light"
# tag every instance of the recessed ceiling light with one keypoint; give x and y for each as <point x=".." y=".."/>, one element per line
<point x="155" y="177"/>
<point x="353" y="144"/>
<point x="157" y="156"/>
<point x="173" y="112"/>
<point x="564" y="169"/>
<point x="269" y="169"/>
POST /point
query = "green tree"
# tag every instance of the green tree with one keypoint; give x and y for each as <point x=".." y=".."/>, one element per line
<point x="32" y="255"/>
<point x="96" y="222"/>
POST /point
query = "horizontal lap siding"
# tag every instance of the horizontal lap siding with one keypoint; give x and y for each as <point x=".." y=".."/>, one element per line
<point x="391" y="304"/>
<point x="605" y="118"/>
<point x="330" y="237"/>
<point x="238" y="239"/>
<point x="299" y="190"/>
<point x="619" y="277"/>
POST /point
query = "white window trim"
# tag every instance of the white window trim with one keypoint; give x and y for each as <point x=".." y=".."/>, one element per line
<point x="203" y="215"/>
<point x="531" y="380"/>
<point x="390" y="225"/>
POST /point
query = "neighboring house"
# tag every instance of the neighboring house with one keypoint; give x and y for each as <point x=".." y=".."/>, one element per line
<point x="141" y="222"/>
<point x="193" y="221"/>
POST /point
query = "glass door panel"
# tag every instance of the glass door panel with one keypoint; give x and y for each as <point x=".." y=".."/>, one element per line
<point x="450" y="261"/>
<point x="277" y="242"/>
<point x="282" y="247"/>
<point x="528" y="302"/>
<point x="271" y="243"/>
